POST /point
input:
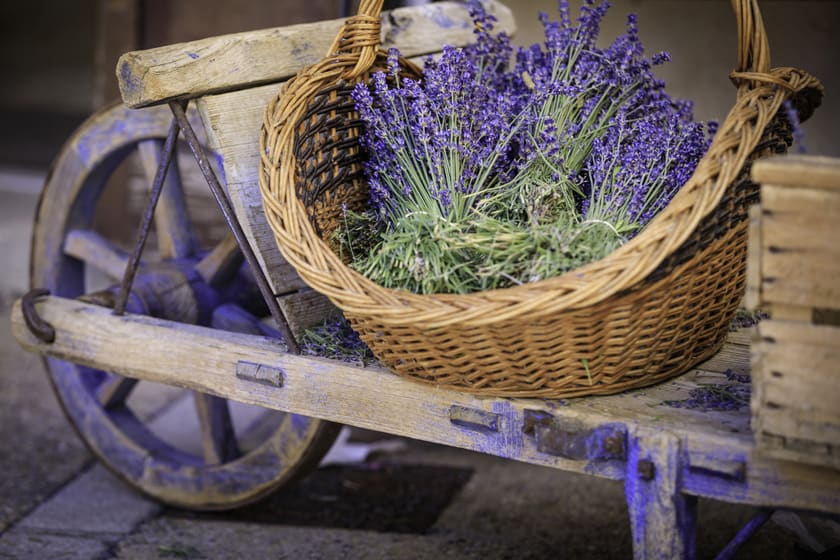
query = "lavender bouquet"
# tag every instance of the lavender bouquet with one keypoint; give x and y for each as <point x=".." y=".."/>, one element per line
<point x="497" y="170"/>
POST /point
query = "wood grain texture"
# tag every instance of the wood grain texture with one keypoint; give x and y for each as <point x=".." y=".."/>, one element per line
<point x="800" y="256"/>
<point x="93" y="249"/>
<point x="232" y="122"/>
<point x="240" y="60"/>
<point x="752" y="297"/>
<point x="795" y="412"/>
<point x="206" y="360"/>
<point x="799" y="171"/>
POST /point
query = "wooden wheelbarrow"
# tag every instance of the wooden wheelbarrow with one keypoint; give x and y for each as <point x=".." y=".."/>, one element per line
<point x="191" y="314"/>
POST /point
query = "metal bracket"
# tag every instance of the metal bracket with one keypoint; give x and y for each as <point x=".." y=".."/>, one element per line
<point x="260" y="373"/>
<point x="474" y="419"/>
<point x="571" y="439"/>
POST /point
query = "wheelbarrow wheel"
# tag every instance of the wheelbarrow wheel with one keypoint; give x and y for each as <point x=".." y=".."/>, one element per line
<point x="215" y="454"/>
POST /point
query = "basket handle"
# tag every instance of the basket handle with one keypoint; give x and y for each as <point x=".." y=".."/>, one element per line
<point x="753" y="46"/>
<point x="359" y="36"/>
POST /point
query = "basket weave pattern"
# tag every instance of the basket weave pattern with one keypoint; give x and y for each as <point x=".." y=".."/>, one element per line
<point x="655" y="307"/>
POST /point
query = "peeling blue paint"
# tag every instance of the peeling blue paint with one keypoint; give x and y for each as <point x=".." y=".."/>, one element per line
<point x="220" y="166"/>
<point x="439" y="17"/>
<point x="131" y="83"/>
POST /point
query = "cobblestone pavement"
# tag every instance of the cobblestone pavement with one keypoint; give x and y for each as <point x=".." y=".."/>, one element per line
<point x="422" y="501"/>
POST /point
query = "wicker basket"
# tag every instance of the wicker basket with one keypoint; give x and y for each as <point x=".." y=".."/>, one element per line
<point x="657" y="306"/>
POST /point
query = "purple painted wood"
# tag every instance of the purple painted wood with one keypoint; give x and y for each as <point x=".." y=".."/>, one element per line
<point x="746" y="532"/>
<point x="218" y="440"/>
<point x="280" y="446"/>
<point x="114" y="391"/>
<point x="662" y="519"/>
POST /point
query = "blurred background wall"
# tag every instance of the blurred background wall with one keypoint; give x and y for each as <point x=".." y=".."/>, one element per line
<point x="57" y="57"/>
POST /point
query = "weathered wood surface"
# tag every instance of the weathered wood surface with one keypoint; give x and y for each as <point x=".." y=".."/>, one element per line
<point x="717" y="447"/>
<point x="817" y="172"/>
<point x="662" y="519"/>
<point x="795" y="263"/>
<point x="233" y="124"/>
<point x="795" y="407"/>
<point x="800" y="255"/>
<point x="235" y="61"/>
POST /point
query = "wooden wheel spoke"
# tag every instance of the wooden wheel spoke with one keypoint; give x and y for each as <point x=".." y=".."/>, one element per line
<point x="231" y="317"/>
<point x="114" y="391"/>
<point x="222" y="263"/>
<point x="218" y="440"/>
<point x="93" y="249"/>
<point x="172" y="221"/>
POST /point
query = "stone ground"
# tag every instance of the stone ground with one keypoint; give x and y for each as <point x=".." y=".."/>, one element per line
<point x="420" y="502"/>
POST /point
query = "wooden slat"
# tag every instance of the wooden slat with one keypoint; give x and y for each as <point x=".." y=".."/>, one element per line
<point x="232" y="122"/>
<point x="752" y="297"/>
<point x="305" y="309"/>
<point x="799" y="257"/>
<point x="799" y="171"/>
<point x="240" y="60"/>
<point x="206" y="360"/>
<point x="795" y="404"/>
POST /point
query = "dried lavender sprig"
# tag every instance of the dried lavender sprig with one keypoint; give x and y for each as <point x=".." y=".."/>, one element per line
<point x="335" y="339"/>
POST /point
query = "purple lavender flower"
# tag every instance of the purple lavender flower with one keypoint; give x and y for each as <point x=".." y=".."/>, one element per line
<point x="792" y="116"/>
<point x="572" y="134"/>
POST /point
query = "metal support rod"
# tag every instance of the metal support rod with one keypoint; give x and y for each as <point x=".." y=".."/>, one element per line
<point x="143" y="235"/>
<point x="746" y="532"/>
<point x="230" y="217"/>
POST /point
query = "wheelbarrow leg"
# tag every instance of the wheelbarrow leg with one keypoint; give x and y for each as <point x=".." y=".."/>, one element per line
<point x="662" y="519"/>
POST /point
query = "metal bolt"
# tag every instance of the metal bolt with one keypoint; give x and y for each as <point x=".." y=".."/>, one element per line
<point x="646" y="469"/>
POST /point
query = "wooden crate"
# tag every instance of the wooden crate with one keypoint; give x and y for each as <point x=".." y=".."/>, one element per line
<point x="794" y="274"/>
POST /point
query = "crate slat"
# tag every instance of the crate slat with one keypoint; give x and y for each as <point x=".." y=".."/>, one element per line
<point x="793" y="272"/>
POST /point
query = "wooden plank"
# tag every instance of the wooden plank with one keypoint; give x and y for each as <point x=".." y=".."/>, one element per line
<point x="788" y="312"/>
<point x="800" y="257"/>
<point x="206" y="360"/>
<point x="800" y="231"/>
<point x="235" y="61"/>
<point x="799" y="171"/>
<point x="797" y="451"/>
<point x="797" y="391"/>
<point x="817" y="427"/>
<point x="752" y="297"/>
<point x="818" y="335"/>
<point x="800" y="205"/>
<point x="306" y="309"/>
